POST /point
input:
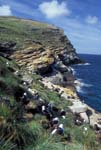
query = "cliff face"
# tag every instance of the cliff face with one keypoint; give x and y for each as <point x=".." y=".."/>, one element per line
<point x="52" y="47"/>
<point x="37" y="46"/>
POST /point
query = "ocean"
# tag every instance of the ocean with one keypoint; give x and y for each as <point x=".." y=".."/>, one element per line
<point x="89" y="79"/>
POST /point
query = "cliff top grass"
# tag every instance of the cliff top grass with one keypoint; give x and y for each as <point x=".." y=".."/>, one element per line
<point x="21" y="30"/>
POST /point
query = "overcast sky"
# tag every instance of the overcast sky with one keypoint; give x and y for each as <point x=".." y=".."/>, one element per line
<point x="80" y="19"/>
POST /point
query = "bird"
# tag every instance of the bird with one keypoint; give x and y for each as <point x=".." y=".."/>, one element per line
<point x="43" y="108"/>
<point x="24" y="83"/>
<point x="54" y="131"/>
<point x="7" y="63"/>
<point x="55" y="120"/>
<point x="63" y="113"/>
<point x="24" y="94"/>
<point x="61" y="129"/>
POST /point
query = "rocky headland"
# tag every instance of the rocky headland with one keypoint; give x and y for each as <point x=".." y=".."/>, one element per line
<point x="36" y="73"/>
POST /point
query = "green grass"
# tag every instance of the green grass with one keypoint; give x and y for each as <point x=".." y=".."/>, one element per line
<point x="18" y="30"/>
<point x="6" y="144"/>
<point x="8" y="81"/>
<point x="49" y="95"/>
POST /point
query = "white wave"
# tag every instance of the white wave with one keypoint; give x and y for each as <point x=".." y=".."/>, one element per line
<point x="73" y="70"/>
<point x="79" y="84"/>
<point x="79" y="89"/>
<point x="85" y="64"/>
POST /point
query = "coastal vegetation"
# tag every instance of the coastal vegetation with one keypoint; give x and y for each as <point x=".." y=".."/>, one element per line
<point x="23" y="123"/>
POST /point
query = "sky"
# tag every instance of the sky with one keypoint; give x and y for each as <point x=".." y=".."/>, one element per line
<point x="80" y="19"/>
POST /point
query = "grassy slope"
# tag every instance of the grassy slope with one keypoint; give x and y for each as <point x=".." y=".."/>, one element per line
<point x="44" y="140"/>
<point x="20" y="30"/>
<point x="8" y="81"/>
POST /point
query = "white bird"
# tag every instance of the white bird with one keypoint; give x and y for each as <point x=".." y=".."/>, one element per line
<point x="64" y="117"/>
<point x="54" y="131"/>
<point x="84" y="121"/>
<point x="24" y="83"/>
<point x="25" y="94"/>
<point x="77" y="120"/>
<point x="85" y="128"/>
<point x="56" y="119"/>
<point x="61" y="126"/>
<point x="7" y="63"/>
<point x="43" y="108"/>
<point x="40" y="99"/>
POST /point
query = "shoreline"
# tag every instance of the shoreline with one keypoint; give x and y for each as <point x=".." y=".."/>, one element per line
<point x="87" y="113"/>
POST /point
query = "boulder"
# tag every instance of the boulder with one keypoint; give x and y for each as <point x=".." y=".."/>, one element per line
<point x="7" y="47"/>
<point x="84" y="116"/>
<point x="78" y="107"/>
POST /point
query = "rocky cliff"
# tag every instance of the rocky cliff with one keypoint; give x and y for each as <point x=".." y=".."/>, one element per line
<point x="40" y="56"/>
<point x="37" y="86"/>
<point x="41" y="47"/>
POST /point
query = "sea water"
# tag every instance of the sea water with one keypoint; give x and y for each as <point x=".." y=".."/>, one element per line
<point x="88" y="76"/>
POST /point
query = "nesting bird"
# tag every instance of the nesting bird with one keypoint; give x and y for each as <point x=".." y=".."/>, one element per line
<point x="24" y="83"/>
<point x="55" y="120"/>
<point x="54" y="131"/>
<point x="7" y="63"/>
<point x="85" y="128"/>
<point x="24" y="97"/>
<point x="63" y="114"/>
<point x="61" y="129"/>
<point x="25" y="94"/>
<point x="78" y="122"/>
<point x="43" y="108"/>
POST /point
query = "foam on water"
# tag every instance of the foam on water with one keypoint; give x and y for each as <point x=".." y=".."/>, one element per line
<point x="85" y="64"/>
<point x="79" y="84"/>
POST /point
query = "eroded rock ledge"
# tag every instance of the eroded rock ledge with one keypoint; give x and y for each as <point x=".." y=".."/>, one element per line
<point x="40" y="55"/>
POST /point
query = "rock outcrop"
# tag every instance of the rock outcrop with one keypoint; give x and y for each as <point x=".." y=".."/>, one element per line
<point x="53" y="47"/>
